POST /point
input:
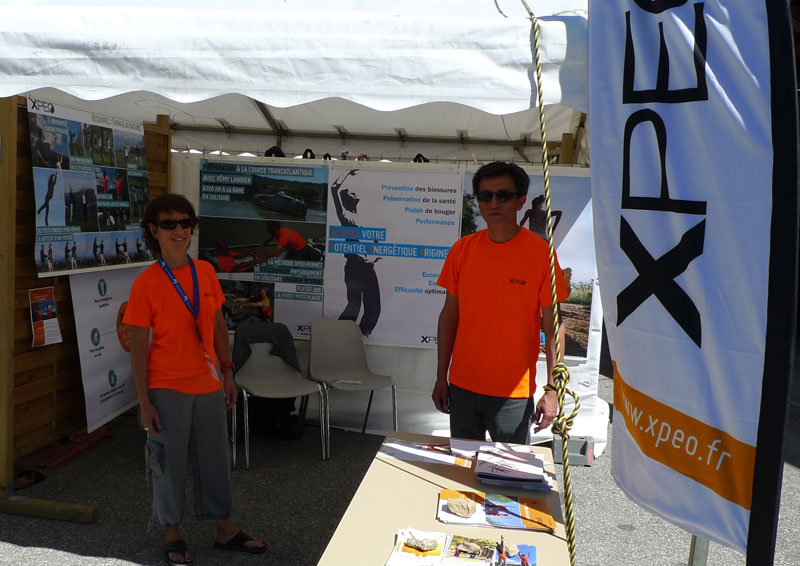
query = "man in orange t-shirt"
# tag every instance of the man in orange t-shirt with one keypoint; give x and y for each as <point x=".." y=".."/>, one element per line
<point x="498" y="287"/>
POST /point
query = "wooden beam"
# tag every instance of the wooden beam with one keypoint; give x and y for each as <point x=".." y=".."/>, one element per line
<point x="567" y="150"/>
<point x="8" y="227"/>
<point x="46" y="509"/>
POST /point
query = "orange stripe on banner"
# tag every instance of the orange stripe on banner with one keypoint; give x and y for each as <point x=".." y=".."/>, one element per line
<point x="701" y="452"/>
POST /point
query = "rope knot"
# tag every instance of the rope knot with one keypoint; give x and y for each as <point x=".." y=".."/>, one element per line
<point x="561" y="426"/>
<point x="560" y="376"/>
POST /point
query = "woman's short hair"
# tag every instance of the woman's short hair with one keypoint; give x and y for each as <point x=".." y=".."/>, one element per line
<point x="499" y="169"/>
<point x="164" y="203"/>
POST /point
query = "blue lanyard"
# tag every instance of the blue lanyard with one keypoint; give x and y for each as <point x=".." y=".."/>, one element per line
<point x="194" y="308"/>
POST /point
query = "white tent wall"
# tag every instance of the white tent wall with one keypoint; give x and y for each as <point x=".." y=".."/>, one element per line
<point x="414" y="368"/>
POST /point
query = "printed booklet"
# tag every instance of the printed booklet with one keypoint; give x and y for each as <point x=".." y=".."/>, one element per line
<point x="499" y="466"/>
<point x="494" y="510"/>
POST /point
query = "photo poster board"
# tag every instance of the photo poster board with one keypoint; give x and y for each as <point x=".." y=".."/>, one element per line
<point x="99" y="300"/>
<point x="389" y="231"/>
<point x="263" y="230"/>
<point x="695" y="145"/>
<point x="573" y="239"/>
<point x="91" y="188"/>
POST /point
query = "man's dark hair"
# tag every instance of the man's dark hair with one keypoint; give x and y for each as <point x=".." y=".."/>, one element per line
<point x="164" y="203"/>
<point x="499" y="169"/>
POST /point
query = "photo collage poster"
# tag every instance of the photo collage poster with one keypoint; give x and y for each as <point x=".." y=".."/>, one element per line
<point x="263" y="230"/>
<point x="389" y="232"/>
<point x="573" y="239"/>
<point x="91" y="189"/>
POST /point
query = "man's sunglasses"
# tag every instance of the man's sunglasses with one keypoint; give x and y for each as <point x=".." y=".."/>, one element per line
<point x="502" y="195"/>
<point x="171" y="223"/>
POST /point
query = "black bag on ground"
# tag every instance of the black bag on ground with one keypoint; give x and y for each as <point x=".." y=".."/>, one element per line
<point x="273" y="417"/>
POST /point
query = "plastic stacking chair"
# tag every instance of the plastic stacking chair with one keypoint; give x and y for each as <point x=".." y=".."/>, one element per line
<point x="338" y="360"/>
<point x="265" y="375"/>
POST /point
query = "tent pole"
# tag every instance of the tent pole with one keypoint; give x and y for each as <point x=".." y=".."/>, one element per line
<point x="698" y="551"/>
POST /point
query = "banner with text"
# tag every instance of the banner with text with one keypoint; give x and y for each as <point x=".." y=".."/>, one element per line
<point x="694" y="187"/>
<point x="91" y="188"/>
<point x="99" y="300"/>
<point x="263" y="230"/>
<point x="388" y="235"/>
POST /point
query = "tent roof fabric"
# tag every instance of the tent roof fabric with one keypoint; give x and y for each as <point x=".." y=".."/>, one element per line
<point x="435" y="67"/>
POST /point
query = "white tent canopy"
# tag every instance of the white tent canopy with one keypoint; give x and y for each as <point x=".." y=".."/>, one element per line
<point x="441" y="71"/>
<point x="447" y="78"/>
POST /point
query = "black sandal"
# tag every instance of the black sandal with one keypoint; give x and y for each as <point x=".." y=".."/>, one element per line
<point x="177" y="547"/>
<point x="239" y="542"/>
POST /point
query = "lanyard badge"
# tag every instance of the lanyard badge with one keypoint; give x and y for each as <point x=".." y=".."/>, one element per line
<point x="194" y="307"/>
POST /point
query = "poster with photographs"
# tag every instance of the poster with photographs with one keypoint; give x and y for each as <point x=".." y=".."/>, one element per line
<point x="262" y="227"/>
<point x="91" y="189"/>
<point x="571" y="210"/>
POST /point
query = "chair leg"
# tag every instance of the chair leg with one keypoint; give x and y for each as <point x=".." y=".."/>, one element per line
<point x="301" y="416"/>
<point x="246" y="431"/>
<point x="394" y="407"/>
<point x="322" y="436"/>
<point x="366" y="415"/>
<point x="233" y="437"/>
<point x="326" y="421"/>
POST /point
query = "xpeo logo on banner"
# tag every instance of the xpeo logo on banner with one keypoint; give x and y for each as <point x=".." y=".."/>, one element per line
<point x="682" y="143"/>
<point x="41" y="105"/>
<point x="656" y="277"/>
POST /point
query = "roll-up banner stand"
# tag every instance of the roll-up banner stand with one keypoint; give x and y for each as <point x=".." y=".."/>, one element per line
<point x="694" y="183"/>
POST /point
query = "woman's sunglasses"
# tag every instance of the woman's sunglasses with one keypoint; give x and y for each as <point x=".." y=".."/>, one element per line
<point x="502" y="195"/>
<point x="171" y="223"/>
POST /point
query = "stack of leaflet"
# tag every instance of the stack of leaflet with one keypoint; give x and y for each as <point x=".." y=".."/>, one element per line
<point x="509" y="468"/>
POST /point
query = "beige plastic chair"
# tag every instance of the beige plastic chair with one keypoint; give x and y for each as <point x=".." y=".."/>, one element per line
<point x="338" y="360"/>
<point x="265" y="375"/>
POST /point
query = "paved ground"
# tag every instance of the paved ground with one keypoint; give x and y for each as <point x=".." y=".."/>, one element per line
<point x="295" y="502"/>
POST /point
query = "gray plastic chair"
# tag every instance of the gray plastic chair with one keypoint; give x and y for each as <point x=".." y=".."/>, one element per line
<point x="338" y="359"/>
<point x="265" y="375"/>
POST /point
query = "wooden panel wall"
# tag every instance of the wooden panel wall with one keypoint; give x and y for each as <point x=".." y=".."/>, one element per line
<point x="8" y="171"/>
<point x="48" y="401"/>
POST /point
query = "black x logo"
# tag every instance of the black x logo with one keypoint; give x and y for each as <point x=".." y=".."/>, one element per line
<point x="657" y="277"/>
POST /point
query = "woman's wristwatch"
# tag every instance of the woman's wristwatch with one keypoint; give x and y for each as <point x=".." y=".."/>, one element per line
<point x="225" y="366"/>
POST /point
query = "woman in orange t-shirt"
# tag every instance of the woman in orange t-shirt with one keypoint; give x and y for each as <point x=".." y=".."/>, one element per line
<point x="183" y="392"/>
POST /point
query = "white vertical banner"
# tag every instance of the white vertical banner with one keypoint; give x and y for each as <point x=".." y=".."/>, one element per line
<point x="388" y="235"/>
<point x="694" y="185"/>
<point x="98" y="301"/>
